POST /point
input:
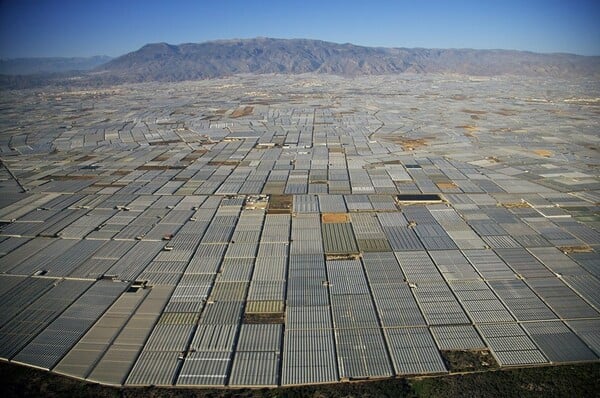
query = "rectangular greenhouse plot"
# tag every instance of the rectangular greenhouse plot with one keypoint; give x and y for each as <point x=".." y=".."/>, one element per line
<point x="382" y="268"/>
<point x="21" y="296"/>
<point x="457" y="337"/>
<point x="374" y="245"/>
<point x="558" y="342"/>
<point x="510" y="344"/>
<point x="57" y="339"/>
<point x="308" y="357"/>
<point x="362" y="354"/>
<point x="36" y="317"/>
<point x="255" y="368"/>
<point x="396" y="305"/>
<point x="205" y="368"/>
<point x="587" y="330"/>
<point x="524" y="304"/>
<point x="561" y="299"/>
<point x="85" y="354"/>
<point x="413" y="351"/>
<point x="308" y="317"/>
<point x="338" y="239"/>
<point x="154" y="368"/>
<point x="402" y="238"/>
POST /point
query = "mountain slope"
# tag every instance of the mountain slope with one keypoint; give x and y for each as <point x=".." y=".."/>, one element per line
<point x="165" y="62"/>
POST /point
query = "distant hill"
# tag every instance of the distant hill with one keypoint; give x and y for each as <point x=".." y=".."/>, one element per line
<point x="165" y="62"/>
<point x="32" y="66"/>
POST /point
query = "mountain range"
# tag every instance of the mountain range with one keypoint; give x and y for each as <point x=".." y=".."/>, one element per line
<point x="213" y="59"/>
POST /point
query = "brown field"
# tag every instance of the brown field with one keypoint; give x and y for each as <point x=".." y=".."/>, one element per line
<point x="280" y="204"/>
<point x="242" y="111"/>
<point x="408" y="144"/>
<point x="543" y="152"/>
<point x="575" y="249"/>
<point x="474" y="112"/>
<point x="330" y="218"/>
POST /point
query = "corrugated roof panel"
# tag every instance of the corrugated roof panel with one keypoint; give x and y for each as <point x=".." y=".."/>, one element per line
<point x="453" y="265"/>
<point x="332" y="204"/>
<point x="270" y="269"/>
<point x="587" y="330"/>
<point x="255" y="369"/>
<point x="266" y="290"/>
<point x="561" y="299"/>
<point x="379" y="244"/>
<point x="304" y="247"/>
<point x="214" y="337"/>
<point x="260" y="337"/>
<point x="588" y="287"/>
<point x="457" y="337"/>
<point x="510" y="344"/>
<point x="241" y="250"/>
<point x="382" y="268"/>
<point x="154" y="368"/>
<point x="396" y="305"/>
<point x="169" y="337"/>
<point x="413" y="351"/>
<point x="353" y="311"/>
<point x="558" y="342"/>
<point x="305" y="204"/>
<point x="346" y="277"/>
<point x="523" y="263"/>
<point x="25" y="251"/>
<point x="365" y="225"/>
<point x="488" y="264"/>
<point x="383" y="202"/>
<point x="57" y="339"/>
<point x="275" y="249"/>
<point x="402" y="238"/>
<point x="222" y="313"/>
<point x="229" y="291"/>
<point x="308" y="317"/>
<point x="22" y="295"/>
<point x="135" y="260"/>
<point x="417" y="266"/>
<point x="338" y="238"/>
<point x="559" y="262"/>
<point x="308" y="357"/>
<point x="520" y="357"/>
<point x="362" y="353"/>
<point x="434" y="237"/>
<point x="32" y="319"/>
<point x="45" y="257"/>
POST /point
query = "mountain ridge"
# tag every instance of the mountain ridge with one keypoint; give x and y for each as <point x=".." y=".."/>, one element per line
<point x="189" y="61"/>
<point x="166" y="62"/>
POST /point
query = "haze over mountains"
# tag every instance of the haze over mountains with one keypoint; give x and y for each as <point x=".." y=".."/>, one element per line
<point x="30" y="66"/>
<point x="166" y="62"/>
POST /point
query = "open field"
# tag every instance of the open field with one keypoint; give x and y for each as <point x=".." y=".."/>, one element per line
<point x="278" y="231"/>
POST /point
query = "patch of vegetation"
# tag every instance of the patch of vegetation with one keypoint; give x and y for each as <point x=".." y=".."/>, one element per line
<point x="548" y="381"/>
<point x="469" y="361"/>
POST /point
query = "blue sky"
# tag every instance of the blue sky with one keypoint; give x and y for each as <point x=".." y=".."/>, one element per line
<point x="92" y="27"/>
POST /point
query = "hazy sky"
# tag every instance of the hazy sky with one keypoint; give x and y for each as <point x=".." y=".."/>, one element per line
<point x="114" y="27"/>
